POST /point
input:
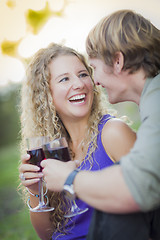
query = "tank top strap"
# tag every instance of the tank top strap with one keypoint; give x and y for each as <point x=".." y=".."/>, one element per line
<point x="103" y="121"/>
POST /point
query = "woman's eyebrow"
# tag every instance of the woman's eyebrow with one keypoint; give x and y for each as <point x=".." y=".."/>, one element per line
<point x="61" y="75"/>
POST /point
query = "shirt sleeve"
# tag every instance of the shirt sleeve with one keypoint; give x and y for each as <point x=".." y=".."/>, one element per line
<point x="141" y="167"/>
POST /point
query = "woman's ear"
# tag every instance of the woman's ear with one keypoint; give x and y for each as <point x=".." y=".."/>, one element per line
<point x="118" y="62"/>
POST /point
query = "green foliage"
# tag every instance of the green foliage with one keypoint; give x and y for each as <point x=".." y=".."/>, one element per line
<point x="9" y="115"/>
<point x="17" y="226"/>
<point x="10" y="48"/>
<point x="37" y="19"/>
<point x="129" y="112"/>
<point x="14" y="216"/>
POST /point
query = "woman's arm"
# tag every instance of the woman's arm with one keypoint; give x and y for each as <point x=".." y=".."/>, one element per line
<point x="117" y="138"/>
<point x="40" y="221"/>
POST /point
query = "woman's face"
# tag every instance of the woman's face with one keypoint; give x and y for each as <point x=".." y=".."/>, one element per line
<point x="71" y="87"/>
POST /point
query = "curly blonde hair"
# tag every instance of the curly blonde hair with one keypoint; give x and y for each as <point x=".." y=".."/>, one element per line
<point x="39" y="116"/>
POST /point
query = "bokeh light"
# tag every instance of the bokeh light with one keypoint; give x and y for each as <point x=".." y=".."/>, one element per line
<point x="28" y="25"/>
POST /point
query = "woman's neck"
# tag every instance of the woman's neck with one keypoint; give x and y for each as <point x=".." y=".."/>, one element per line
<point x="77" y="132"/>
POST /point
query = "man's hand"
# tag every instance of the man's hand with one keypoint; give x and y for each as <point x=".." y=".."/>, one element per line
<point x="56" y="172"/>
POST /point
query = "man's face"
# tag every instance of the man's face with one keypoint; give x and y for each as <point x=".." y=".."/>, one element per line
<point x="106" y="76"/>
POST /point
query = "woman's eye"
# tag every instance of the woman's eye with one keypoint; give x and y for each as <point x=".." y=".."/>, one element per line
<point x="63" y="79"/>
<point x="83" y="75"/>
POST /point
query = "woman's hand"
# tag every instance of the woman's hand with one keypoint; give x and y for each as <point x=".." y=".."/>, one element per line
<point x="56" y="172"/>
<point x="30" y="174"/>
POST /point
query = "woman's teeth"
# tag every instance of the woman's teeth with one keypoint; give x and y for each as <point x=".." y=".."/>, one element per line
<point x="77" y="98"/>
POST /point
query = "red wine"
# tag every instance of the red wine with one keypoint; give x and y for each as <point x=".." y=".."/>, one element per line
<point x="61" y="153"/>
<point x="37" y="155"/>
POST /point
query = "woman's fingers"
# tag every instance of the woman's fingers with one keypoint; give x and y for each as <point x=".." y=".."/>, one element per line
<point x="28" y="178"/>
<point x="25" y="158"/>
<point x="30" y="175"/>
<point x="28" y="168"/>
<point x="29" y="182"/>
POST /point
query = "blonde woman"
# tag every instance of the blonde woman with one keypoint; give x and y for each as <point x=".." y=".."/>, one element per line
<point x="59" y="98"/>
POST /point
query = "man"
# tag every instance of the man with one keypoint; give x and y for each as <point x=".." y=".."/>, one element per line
<point x="124" y="51"/>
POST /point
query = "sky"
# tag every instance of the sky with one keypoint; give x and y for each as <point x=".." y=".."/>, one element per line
<point x="72" y="28"/>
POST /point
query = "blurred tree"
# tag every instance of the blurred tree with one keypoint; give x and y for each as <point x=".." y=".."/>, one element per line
<point x="11" y="4"/>
<point x="10" y="48"/>
<point x="9" y="96"/>
<point x="9" y="114"/>
<point x="37" y="19"/>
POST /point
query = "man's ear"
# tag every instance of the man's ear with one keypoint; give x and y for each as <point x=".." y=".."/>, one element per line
<point x="118" y="62"/>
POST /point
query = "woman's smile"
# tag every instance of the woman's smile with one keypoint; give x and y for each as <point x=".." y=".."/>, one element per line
<point x="77" y="99"/>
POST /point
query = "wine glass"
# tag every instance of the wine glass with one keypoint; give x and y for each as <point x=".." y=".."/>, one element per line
<point x="58" y="149"/>
<point x="35" y="150"/>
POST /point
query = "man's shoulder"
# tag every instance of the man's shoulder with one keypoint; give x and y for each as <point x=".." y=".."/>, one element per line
<point x="149" y="103"/>
<point x="151" y="83"/>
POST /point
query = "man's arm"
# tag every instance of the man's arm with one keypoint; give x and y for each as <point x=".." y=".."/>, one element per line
<point x="105" y="190"/>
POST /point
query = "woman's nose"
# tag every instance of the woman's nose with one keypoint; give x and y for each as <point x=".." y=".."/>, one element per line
<point x="77" y="83"/>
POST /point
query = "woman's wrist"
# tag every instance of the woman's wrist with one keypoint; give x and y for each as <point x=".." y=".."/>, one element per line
<point x="35" y="194"/>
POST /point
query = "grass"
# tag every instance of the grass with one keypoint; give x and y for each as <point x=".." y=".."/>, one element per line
<point x="14" y="216"/>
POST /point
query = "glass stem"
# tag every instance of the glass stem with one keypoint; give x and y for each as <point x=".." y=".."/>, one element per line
<point x="41" y="197"/>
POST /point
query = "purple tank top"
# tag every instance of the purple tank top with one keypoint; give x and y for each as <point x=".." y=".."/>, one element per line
<point x="78" y="226"/>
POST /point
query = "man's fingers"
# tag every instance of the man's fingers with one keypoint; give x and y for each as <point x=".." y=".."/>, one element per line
<point x="74" y="164"/>
<point x="43" y="163"/>
<point x="77" y="163"/>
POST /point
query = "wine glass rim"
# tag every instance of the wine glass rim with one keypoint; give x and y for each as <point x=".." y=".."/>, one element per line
<point x="60" y="141"/>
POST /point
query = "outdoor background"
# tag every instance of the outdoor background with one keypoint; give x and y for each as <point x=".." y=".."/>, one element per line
<point x="26" y="26"/>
